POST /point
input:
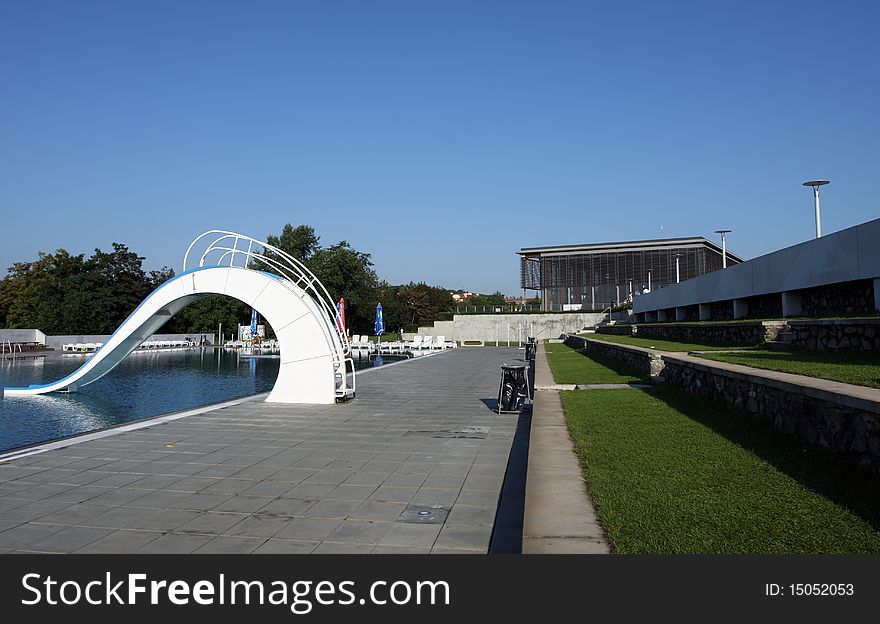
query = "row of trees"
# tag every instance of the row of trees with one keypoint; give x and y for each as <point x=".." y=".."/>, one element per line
<point x="62" y="293"/>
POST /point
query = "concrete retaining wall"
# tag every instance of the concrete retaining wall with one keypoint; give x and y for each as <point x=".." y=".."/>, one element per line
<point x="489" y="327"/>
<point x="22" y="335"/>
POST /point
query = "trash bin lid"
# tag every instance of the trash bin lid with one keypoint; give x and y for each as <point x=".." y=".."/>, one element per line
<point x="513" y="366"/>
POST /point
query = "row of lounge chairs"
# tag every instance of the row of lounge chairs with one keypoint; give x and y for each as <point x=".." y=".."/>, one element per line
<point x="91" y="347"/>
<point x="418" y="343"/>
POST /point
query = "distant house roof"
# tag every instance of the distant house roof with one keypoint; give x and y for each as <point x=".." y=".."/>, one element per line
<point x="639" y="245"/>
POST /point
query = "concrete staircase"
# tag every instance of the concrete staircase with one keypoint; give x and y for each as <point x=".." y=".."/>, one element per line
<point x="782" y="341"/>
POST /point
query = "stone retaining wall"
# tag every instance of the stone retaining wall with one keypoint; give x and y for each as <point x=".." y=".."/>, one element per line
<point x="642" y="360"/>
<point x="836" y="335"/>
<point x="618" y="330"/>
<point x="836" y="421"/>
<point x="830" y="415"/>
<point x="744" y="333"/>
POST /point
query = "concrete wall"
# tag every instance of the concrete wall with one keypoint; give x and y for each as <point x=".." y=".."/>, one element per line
<point x="22" y="335"/>
<point x="440" y="328"/>
<point x="845" y="256"/>
<point x="56" y="342"/>
<point x="489" y="327"/>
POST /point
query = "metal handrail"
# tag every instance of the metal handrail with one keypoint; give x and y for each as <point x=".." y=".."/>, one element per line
<point x="291" y="270"/>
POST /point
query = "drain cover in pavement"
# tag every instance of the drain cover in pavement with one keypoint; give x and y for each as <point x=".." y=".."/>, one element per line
<point x="424" y="514"/>
<point x="474" y="433"/>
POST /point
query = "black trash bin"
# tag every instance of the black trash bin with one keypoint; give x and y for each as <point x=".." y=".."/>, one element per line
<point x="514" y="389"/>
<point x="531" y="345"/>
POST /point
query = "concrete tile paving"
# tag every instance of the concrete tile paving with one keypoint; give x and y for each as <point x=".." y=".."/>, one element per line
<point x="267" y="478"/>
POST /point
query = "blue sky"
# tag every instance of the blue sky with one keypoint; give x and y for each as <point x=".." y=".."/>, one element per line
<point x="438" y="136"/>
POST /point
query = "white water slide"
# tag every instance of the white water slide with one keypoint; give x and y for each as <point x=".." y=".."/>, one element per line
<point x="315" y="363"/>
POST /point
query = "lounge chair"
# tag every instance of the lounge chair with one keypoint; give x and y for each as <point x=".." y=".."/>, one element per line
<point x="416" y="343"/>
<point x="428" y="342"/>
<point x="440" y="343"/>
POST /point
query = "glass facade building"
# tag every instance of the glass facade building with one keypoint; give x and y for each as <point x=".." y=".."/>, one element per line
<point x="596" y="276"/>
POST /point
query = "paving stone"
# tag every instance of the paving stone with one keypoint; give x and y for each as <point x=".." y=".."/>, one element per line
<point x="212" y="523"/>
<point x="332" y="509"/>
<point x="123" y="541"/>
<point x="231" y="545"/>
<point x="471" y="514"/>
<point x="285" y="478"/>
<point x="274" y="546"/>
<point x="243" y="504"/>
<point x="465" y="536"/>
<point x="258" y="526"/>
<point x="288" y="507"/>
<point x="309" y="528"/>
<point x="416" y="535"/>
<point x="173" y="544"/>
<point x="360" y="531"/>
<point x="70" y="539"/>
<point x="26" y="535"/>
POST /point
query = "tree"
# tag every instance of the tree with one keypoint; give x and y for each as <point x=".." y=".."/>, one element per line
<point x="346" y="272"/>
<point x="205" y="315"/>
<point x="300" y="242"/>
<point x="424" y="303"/>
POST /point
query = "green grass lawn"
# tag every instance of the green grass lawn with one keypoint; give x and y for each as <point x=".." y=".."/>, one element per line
<point x="862" y="369"/>
<point x="570" y="366"/>
<point x="665" y="345"/>
<point x="671" y="473"/>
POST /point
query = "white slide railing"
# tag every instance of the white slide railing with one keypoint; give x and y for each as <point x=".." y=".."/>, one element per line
<point x="315" y="367"/>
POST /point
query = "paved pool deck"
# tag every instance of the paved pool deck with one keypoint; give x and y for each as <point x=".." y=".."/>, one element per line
<point x="415" y="464"/>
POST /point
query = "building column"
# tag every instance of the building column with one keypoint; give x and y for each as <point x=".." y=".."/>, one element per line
<point x="705" y="312"/>
<point x="661" y="315"/>
<point x="680" y="313"/>
<point x="740" y="308"/>
<point x="877" y="294"/>
<point x="791" y="304"/>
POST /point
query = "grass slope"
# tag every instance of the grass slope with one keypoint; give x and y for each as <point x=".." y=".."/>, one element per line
<point x="570" y="366"/>
<point x="670" y="473"/>
<point x="665" y="345"/>
<point x="862" y="369"/>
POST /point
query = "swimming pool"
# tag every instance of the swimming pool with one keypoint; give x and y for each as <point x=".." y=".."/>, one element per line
<point x="145" y="384"/>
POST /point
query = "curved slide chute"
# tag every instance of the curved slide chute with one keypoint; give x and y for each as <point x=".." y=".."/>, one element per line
<point x="315" y="364"/>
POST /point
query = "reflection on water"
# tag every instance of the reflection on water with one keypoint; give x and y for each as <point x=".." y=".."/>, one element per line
<point x="145" y="384"/>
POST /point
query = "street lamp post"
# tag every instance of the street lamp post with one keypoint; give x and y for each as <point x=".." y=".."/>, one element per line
<point x="649" y="280"/>
<point x="816" y="184"/>
<point x="723" y="246"/>
<point x="677" y="272"/>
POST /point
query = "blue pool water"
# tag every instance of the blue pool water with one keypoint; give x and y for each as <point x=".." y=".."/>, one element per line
<point x="145" y="384"/>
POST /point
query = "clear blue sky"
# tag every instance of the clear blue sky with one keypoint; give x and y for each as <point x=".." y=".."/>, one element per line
<point x="438" y="136"/>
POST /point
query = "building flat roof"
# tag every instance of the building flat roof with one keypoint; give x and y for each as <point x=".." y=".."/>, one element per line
<point x="638" y="245"/>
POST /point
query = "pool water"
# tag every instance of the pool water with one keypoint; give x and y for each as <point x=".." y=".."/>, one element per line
<point x="145" y="384"/>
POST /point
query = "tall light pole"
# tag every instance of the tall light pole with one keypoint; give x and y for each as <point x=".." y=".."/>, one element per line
<point x="816" y="184"/>
<point x="723" y="246"/>
<point x="677" y="272"/>
<point x="649" y="280"/>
